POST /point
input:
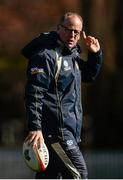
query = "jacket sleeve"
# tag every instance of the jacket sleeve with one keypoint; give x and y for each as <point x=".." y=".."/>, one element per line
<point x="39" y="75"/>
<point x="90" y="69"/>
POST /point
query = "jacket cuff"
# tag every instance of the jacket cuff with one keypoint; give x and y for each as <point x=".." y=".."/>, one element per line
<point x="97" y="57"/>
<point x="34" y="128"/>
<point x="98" y="53"/>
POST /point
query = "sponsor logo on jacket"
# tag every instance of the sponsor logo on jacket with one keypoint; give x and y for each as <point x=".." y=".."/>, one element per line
<point x="37" y="70"/>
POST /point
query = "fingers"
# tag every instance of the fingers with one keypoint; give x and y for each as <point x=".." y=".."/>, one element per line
<point x="89" y="39"/>
<point x="35" y="138"/>
<point x="84" y="35"/>
<point x="91" y="42"/>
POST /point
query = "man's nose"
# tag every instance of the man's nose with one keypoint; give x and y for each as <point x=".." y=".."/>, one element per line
<point x="72" y="33"/>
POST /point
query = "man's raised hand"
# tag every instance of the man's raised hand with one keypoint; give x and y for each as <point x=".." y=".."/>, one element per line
<point x="91" y="43"/>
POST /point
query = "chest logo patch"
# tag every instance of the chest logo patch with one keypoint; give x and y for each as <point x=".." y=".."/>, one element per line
<point x="66" y="65"/>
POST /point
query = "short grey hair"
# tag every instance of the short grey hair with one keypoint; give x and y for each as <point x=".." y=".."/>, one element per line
<point x="68" y="14"/>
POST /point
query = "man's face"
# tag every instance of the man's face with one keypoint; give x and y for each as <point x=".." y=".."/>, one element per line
<point x="70" y="31"/>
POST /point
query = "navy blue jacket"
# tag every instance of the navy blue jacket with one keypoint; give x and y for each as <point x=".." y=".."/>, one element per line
<point x="50" y="106"/>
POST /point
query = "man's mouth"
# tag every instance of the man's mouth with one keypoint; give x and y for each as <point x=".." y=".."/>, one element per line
<point x="70" y="41"/>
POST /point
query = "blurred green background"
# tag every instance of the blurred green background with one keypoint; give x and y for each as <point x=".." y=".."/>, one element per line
<point x="20" y="22"/>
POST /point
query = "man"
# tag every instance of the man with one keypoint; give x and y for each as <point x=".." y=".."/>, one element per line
<point x="53" y="94"/>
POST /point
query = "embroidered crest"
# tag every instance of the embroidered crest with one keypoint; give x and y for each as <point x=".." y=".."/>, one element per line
<point x="66" y="65"/>
<point x="69" y="142"/>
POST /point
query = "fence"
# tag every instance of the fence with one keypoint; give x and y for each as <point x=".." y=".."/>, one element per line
<point x="101" y="164"/>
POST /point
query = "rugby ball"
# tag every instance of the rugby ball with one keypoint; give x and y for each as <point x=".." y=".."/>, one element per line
<point x="36" y="158"/>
